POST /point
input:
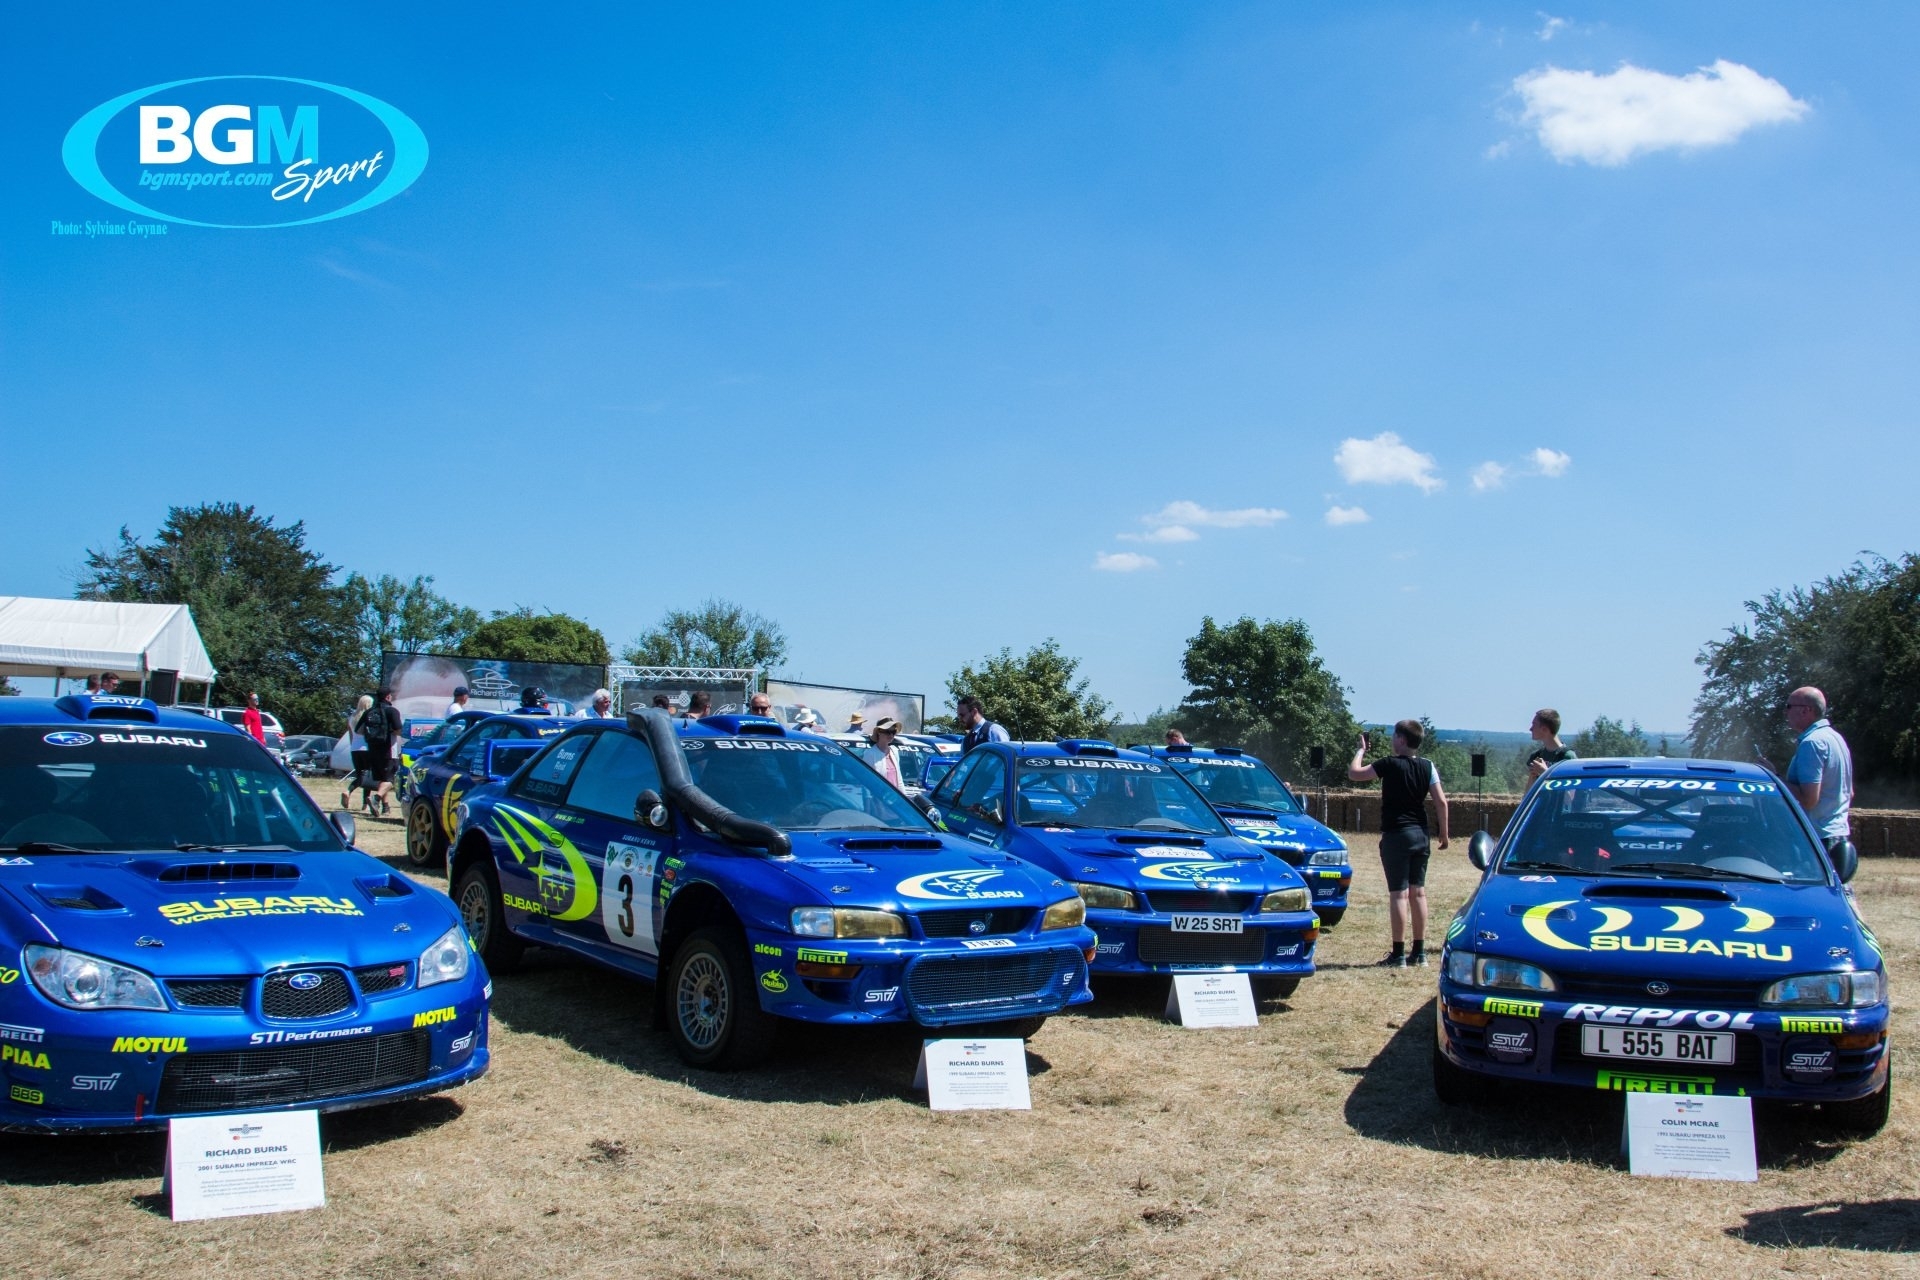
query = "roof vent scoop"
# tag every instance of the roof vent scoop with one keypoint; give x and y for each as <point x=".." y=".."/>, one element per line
<point x="109" y="706"/>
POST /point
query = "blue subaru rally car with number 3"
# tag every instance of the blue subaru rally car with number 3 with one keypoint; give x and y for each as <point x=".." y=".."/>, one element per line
<point x="1169" y="888"/>
<point x="1260" y="808"/>
<point x="1666" y="926"/>
<point x="753" y="874"/>
<point x="184" y="932"/>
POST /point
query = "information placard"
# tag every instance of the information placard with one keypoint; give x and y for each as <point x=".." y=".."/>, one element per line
<point x="230" y="1166"/>
<point x="974" y="1075"/>
<point x="1212" y="1000"/>
<point x="1691" y="1136"/>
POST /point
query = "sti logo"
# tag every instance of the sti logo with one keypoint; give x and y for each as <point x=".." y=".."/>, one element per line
<point x="245" y="151"/>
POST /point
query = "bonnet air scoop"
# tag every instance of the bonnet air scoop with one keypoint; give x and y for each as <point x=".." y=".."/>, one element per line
<point x="217" y="872"/>
<point x="1185" y="842"/>
<point x="884" y="844"/>
<point x="1690" y="893"/>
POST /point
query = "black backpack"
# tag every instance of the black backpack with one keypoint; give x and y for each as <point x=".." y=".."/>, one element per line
<point x="374" y="726"/>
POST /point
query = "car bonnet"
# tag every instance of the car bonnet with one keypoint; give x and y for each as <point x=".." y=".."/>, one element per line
<point x="912" y="871"/>
<point x="1142" y="860"/>
<point x="1295" y="831"/>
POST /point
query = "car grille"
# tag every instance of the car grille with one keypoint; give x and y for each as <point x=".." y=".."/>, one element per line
<point x="1292" y="857"/>
<point x="1161" y="945"/>
<point x="1202" y="900"/>
<point x="293" y="1073"/>
<point x="973" y="988"/>
<point x="959" y="924"/>
<point x="380" y="978"/>
<point x="279" y="999"/>
<point x="1691" y="995"/>
<point x="1566" y="1053"/>
<point x="208" y="993"/>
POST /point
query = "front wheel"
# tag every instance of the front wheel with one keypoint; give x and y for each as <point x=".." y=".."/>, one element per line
<point x="485" y="916"/>
<point x="426" y="843"/>
<point x="1330" y="916"/>
<point x="1455" y="1086"/>
<point x="1864" y="1117"/>
<point x="713" y="1013"/>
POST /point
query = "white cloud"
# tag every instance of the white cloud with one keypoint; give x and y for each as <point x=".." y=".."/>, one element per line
<point x="1188" y="514"/>
<point x="1550" y="26"/>
<point x="1337" y="516"/>
<point x="1550" y="462"/>
<point x="1165" y="533"/>
<point x="1123" y="562"/>
<point x="1498" y="150"/>
<point x="1488" y="475"/>
<point x="1609" y="119"/>
<point x="1385" y="460"/>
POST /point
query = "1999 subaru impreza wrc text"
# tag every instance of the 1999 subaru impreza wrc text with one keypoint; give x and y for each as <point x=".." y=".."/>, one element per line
<point x="758" y="874"/>
<point x="182" y="932"/>
<point x="1168" y="887"/>
<point x="1667" y="926"/>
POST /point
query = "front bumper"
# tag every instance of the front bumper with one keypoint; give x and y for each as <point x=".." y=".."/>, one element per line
<point x="1826" y="1057"/>
<point x="1139" y="942"/>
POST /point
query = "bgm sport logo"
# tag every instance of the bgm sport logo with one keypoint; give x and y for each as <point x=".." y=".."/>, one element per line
<point x="245" y="151"/>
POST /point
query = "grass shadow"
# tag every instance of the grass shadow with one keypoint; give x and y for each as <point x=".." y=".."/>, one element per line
<point x="1869" y="1226"/>
<point x="1394" y="1101"/>
<point x="1145" y="996"/>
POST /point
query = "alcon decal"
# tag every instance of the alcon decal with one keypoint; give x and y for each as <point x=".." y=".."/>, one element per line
<point x="1609" y="934"/>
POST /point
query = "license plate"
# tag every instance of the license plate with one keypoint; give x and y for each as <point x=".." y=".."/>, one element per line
<point x="1207" y="924"/>
<point x="1657" y="1046"/>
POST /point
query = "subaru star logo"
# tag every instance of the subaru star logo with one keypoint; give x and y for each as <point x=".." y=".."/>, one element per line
<point x="976" y="926"/>
<point x="304" y="981"/>
<point x="67" y="738"/>
<point x="1657" y="988"/>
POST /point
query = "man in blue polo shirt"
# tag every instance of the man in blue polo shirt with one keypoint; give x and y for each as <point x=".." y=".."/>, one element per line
<point x="1821" y="774"/>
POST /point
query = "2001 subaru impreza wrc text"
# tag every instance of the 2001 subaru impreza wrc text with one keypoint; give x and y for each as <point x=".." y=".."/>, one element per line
<point x="758" y="874"/>
<point x="182" y="932"/>
<point x="1670" y="926"/>
<point x="1168" y="886"/>
<point x="1259" y="807"/>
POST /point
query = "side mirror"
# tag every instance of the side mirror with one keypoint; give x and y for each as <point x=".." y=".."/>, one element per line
<point x="1480" y="850"/>
<point x="343" y="823"/>
<point x="1846" y="860"/>
<point x="649" y="810"/>
<point x="995" y="812"/>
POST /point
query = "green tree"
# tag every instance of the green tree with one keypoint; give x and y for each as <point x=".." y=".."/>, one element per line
<point x="1152" y="731"/>
<point x="719" y="633"/>
<point x="1261" y="686"/>
<point x="6" y="688"/>
<point x="405" y="617"/>
<point x="268" y="611"/>
<point x="525" y="636"/>
<point x="1034" y="696"/>
<point x="1610" y="738"/>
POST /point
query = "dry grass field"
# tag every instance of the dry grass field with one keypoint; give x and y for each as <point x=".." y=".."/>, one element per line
<point x="1312" y="1146"/>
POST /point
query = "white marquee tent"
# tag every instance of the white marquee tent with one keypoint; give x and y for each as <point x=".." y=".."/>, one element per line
<point x="72" y="638"/>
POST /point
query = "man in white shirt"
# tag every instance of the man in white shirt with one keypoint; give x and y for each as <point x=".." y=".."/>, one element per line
<point x="602" y="708"/>
<point x="885" y="757"/>
<point x="458" y="704"/>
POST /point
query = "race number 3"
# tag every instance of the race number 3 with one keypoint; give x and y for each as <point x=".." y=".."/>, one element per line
<point x="626" y="896"/>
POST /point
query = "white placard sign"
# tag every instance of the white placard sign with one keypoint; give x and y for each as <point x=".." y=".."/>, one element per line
<point x="1212" y="1000"/>
<point x="230" y="1166"/>
<point x="974" y="1075"/>
<point x="1691" y="1136"/>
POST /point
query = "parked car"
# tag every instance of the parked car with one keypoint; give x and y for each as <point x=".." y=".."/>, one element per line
<point x="417" y="749"/>
<point x="1168" y="886"/>
<point x="755" y="874"/>
<point x="1665" y="926"/>
<point x="308" y="753"/>
<point x="441" y="778"/>
<point x="194" y="935"/>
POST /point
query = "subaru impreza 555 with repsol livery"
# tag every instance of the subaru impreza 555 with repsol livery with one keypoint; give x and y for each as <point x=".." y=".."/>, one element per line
<point x="1259" y="807"/>
<point x="183" y="931"/>
<point x="754" y="875"/>
<point x="1168" y="887"/>
<point x="1667" y="926"/>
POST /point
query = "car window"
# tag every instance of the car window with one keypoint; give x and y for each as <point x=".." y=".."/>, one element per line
<point x="618" y="768"/>
<point x="796" y="784"/>
<point x="1073" y="791"/>
<point x="1232" y="780"/>
<point x="546" y="781"/>
<point x="981" y="796"/>
<point x="465" y="754"/>
<point x="956" y="778"/>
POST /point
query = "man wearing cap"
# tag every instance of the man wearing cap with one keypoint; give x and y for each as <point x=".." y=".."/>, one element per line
<point x="459" y="703"/>
<point x="806" y="720"/>
<point x="883" y="755"/>
<point x="602" y="707"/>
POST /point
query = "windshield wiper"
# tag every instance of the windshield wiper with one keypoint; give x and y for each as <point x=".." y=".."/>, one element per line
<point x="1535" y="865"/>
<point x="1167" y="824"/>
<point x="43" y="846"/>
<point x="234" y="848"/>
<point x="1694" y="869"/>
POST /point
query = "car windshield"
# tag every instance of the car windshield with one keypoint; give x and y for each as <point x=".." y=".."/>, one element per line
<point x="1235" y="780"/>
<point x="123" y="787"/>
<point x="913" y="761"/>
<point x="1709" y="828"/>
<point x="1095" y="791"/>
<point x="445" y="731"/>
<point x="797" y="785"/>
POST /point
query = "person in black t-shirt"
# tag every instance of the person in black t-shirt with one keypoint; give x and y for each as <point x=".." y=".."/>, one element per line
<point x="1551" y="751"/>
<point x="1405" y="783"/>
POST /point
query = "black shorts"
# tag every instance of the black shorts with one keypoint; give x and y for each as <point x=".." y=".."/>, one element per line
<point x="379" y="764"/>
<point x="1403" y="856"/>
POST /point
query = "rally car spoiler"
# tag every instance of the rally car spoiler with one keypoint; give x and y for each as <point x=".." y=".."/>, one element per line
<point x="656" y="729"/>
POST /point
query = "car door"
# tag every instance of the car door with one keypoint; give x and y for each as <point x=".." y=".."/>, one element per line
<point x="450" y="776"/>
<point x="625" y="858"/>
<point x="981" y="802"/>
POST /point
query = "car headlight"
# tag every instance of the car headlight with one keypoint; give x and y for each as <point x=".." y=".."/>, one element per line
<point x="1328" y="858"/>
<point x="81" y="981"/>
<point x="1104" y="895"/>
<point x="1068" y="913"/>
<point x="846" y="922"/>
<point x="1826" y="991"/>
<point x="446" y="960"/>
<point x="1286" y="900"/>
<point x="1497" y="972"/>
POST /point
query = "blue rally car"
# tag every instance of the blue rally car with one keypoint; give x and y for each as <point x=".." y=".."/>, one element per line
<point x="1260" y="808"/>
<point x="1168" y="886"/>
<point x="755" y="874"/>
<point x="445" y="772"/>
<point x="1672" y="926"/>
<point x="415" y="751"/>
<point x="182" y="932"/>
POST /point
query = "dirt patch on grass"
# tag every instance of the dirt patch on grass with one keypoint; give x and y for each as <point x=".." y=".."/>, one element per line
<point x="1311" y="1145"/>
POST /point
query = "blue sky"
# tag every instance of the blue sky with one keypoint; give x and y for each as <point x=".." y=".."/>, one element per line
<point x="890" y="321"/>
